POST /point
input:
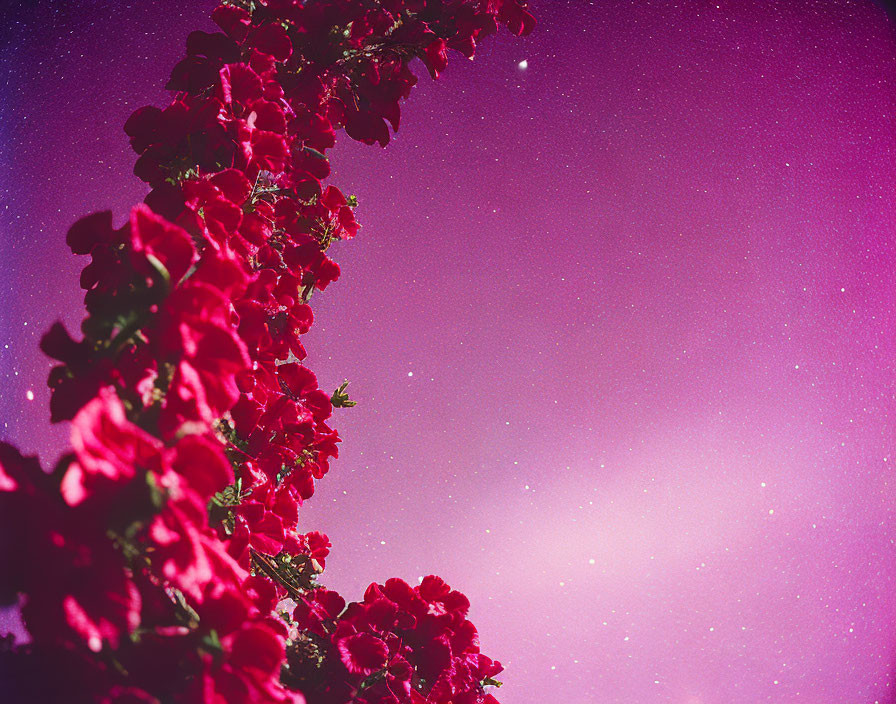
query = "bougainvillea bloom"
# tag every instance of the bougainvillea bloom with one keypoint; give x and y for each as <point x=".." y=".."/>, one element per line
<point x="153" y="563"/>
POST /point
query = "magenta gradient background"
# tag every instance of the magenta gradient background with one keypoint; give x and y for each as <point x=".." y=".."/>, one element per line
<point x="620" y="325"/>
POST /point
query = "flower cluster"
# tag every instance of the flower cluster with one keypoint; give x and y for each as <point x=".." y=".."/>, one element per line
<point x="399" y="644"/>
<point x="152" y="563"/>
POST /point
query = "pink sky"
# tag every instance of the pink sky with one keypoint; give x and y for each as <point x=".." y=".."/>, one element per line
<point x="620" y="325"/>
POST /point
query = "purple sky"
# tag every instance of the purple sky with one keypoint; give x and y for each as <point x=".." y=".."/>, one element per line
<point x="620" y="324"/>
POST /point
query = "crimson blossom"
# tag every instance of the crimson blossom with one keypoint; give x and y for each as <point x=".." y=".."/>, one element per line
<point x="160" y="560"/>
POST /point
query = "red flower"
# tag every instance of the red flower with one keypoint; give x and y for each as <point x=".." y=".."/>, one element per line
<point x="195" y="333"/>
<point x="179" y="550"/>
<point x="318" y="546"/>
<point x="233" y="20"/>
<point x="109" y="450"/>
<point x="362" y="653"/>
<point x="240" y="84"/>
<point x="76" y="589"/>
<point x="316" y="609"/>
<point x="441" y="598"/>
<point x="272" y="39"/>
<point x="264" y="528"/>
<point x="188" y="403"/>
<point x="202" y="464"/>
<point x="435" y="56"/>
<point x="79" y="378"/>
<point x="264" y="150"/>
<point x="155" y="237"/>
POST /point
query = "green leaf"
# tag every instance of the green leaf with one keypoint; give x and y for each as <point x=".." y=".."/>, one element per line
<point x="212" y="643"/>
<point x="160" y="269"/>
<point x="314" y="153"/>
<point x="340" y="398"/>
<point x="221" y="504"/>
<point x="157" y="495"/>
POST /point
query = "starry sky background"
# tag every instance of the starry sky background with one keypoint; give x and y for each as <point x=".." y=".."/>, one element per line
<point x="619" y="323"/>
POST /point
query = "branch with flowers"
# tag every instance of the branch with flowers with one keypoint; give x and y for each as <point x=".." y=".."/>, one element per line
<point x="160" y="561"/>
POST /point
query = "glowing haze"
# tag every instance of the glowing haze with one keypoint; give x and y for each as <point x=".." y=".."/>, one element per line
<point x="619" y="322"/>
